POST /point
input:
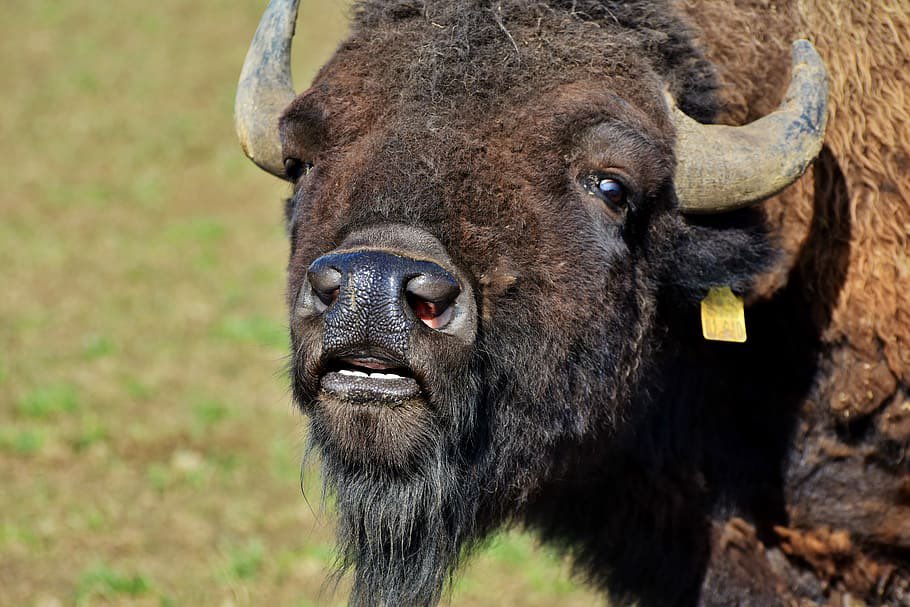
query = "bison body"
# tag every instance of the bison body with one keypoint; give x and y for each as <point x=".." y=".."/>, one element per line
<point x="494" y="289"/>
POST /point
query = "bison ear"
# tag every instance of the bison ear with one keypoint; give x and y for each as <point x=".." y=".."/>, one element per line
<point x="732" y="250"/>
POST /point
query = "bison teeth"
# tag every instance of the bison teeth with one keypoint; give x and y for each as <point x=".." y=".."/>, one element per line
<point x="353" y="373"/>
<point x="386" y="376"/>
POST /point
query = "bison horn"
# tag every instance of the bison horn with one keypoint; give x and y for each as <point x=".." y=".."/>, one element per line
<point x="265" y="87"/>
<point x="721" y="168"/>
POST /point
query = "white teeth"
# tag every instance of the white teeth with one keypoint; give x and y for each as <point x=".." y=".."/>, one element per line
<point x="352" y="373"/>
<point x="385" y="376"/>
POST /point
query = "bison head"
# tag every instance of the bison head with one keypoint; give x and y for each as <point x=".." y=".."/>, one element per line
<point x="494" y="251"/>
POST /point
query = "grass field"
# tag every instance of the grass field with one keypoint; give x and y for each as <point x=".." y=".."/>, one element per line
<point x="148" y="447"/>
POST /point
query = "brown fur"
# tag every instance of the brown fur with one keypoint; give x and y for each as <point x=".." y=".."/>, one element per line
<point x="770" y="473"/>
<point x="856" y="274"/>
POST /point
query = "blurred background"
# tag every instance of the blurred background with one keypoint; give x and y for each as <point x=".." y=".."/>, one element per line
<point x="149" y="451"/>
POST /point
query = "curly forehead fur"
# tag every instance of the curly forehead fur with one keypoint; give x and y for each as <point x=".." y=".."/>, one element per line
<point x="462" y="57"/>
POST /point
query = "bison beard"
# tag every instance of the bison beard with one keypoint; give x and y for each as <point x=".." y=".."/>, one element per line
<point x="405" y="512"/>
<point x="402" y="532"/>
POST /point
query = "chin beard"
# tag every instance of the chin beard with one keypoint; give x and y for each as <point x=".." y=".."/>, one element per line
<point x="402" y="532"/>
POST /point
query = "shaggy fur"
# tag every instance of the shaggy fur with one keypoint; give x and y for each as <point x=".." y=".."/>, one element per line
<point x="588" y="406"/>
<point x="845" y="241"/>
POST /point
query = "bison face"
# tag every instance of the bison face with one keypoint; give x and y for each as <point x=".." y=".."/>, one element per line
<point x="470" y="302"/>
<point x="487" y="259"/>
<point x="440" y="280"/>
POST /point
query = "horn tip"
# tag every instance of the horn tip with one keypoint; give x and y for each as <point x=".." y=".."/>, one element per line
<point x="804" y="52"/>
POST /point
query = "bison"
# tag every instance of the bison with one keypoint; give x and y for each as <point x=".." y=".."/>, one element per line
<point x="506" y="217"/>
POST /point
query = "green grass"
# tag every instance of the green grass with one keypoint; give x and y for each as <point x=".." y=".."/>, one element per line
<point x="246" y="562"/>
<point x="21" y="442"/>
<point x="50" y="401"/>
<point x="97" y="346"/>
<point x="11" y="535"/>
<point x="136" y="389"/>
<point x="210" y="412"/>
<point x="252" y="330"/>
<point x="102" y="581"/>
<point x="159" y="476"/>
<point x="92" y="430"/>
<point x="148" y="449"/>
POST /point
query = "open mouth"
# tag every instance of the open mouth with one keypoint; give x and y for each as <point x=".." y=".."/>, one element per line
<point x="370" y="380"/>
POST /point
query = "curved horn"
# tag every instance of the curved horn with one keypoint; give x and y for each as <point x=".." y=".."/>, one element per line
<point x="721" y="168"/>
<point x="265" y="87"/>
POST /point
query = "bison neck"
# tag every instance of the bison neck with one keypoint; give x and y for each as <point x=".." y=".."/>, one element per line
<point x="649" y="517"/>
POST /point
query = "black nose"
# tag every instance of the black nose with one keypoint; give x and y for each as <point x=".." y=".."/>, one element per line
<point x="424" y="287"/>
<point x="373" y="298"/>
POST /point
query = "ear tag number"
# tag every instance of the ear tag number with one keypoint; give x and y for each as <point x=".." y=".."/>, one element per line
<point x="722" y="316"/>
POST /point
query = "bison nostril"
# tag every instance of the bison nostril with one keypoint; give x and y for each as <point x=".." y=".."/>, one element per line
<point x="431" y="314"/>
<point x="430" y="296"/>
<point x="326" y="282"/>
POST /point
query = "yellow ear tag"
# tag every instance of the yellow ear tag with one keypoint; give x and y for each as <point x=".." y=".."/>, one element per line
<point x="722" y="316"/>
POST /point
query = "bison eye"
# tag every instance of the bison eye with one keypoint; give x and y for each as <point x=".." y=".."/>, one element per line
<point x="295" y="168"/>
<point x="609" y="189"/>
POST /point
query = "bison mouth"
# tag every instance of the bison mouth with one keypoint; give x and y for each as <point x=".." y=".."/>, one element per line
<point x="366" y="380"/>
<point x="372" y="409"/>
